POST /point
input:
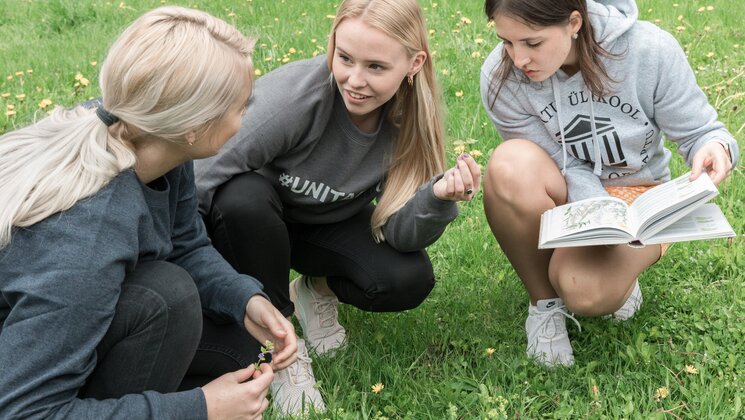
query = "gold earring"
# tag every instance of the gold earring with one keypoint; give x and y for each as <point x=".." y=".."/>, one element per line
<point x="411" y="81"/>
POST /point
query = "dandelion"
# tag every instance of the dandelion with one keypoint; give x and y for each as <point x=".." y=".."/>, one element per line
<point x="476" y="54"/>
<point x="479" y="41"/>
<point x="29" y="71"/>
<point x="5" y="95"/>
<point x="490" y="351"/>
<point x="257" y="72"/>
<point x="434" y="5"/>
<point x="661" y="393"/>
<point x="45" y="103"/>
<point x="286" y="60"/>
<point x="466" y="21"/>
<point x="10" y="113"/>
<point x="313" y="40"/>
<point x="445" y="72"/>
<point x="94" y="63"/>
<point x="19" y="73"/>
<point x="709" y="55"/>
<point x="432" y="31"/>
<point x="21" y="96"/>
<point x="10" y="107"/>
<point x="291" y="50"/>
<point x="459" y="149"/>
<point x="377" y="388"/>
<point x="709" y="8"/>
<point x="330" y="16"/>
<point x="701" y="9"/>
<point x="122" y="5"/>
<point x="476" y="153"/>
<point x="690" y="369"/>
<point x="459" y="93"/>
<point x="10" y="77"/>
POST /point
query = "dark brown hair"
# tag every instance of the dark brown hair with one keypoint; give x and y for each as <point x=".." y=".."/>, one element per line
<point x="543" y="13"/>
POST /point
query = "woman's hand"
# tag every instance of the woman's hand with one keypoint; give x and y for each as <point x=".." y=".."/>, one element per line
<point x="714" y="159"/>
<point x="265" y="322"/>
<point x="240" y="394"/>
<point x="461" y="182"/>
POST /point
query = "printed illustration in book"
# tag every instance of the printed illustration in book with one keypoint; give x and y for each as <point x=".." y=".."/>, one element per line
<point x="671" y="212"/>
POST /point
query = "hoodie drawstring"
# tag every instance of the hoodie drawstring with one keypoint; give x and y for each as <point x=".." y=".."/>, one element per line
<point x="598" y="169"/>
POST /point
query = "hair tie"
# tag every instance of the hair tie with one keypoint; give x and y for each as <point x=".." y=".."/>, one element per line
<point x="107" y="117"/>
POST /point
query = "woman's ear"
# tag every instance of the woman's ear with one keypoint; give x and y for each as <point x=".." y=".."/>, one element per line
<point x="191" y="138"/>
<point x="416" y="64"/>
<point x="575" y="21"/>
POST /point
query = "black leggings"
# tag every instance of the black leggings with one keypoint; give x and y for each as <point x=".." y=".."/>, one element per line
<point x="246" y="225"/>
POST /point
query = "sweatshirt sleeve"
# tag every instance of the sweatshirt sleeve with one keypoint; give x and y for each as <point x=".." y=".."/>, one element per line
<point x="514" y="122"/>
<point x="62" y="278"/>
<point x="222" y="290"/>
<point x="681" y="108"/>
<point x="421" y="221"/>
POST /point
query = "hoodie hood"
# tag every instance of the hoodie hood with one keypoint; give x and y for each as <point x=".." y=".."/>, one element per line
<point x="611" y="18"/>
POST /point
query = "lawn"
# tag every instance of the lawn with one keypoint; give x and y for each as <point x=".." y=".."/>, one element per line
<point x="461" y="354"/>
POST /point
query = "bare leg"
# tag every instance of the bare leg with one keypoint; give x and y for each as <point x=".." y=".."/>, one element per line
<point x="597" y="280"/>
<point x="521" y="183"/>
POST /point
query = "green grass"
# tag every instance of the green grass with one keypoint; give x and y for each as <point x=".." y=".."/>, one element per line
<point x="432" y="360"/>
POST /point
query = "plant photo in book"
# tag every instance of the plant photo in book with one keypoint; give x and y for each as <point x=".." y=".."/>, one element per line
<point x="670" y="212"/>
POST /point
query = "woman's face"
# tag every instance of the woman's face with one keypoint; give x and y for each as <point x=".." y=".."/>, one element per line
<point x="369" y="67"/>
<point x="540" y="51"/>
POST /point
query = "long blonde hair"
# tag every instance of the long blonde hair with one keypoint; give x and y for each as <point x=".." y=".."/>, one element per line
<point x="419" y="148"/>
<point x="171" y="72"/>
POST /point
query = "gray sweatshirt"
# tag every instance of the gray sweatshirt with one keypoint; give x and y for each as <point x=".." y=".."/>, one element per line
<point x="298" y="134"/>
<point x="655" y="93"/>
<point x="60" y="281"/>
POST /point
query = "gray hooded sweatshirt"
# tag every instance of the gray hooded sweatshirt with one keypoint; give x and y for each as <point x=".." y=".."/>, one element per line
<point x="617" y="139"/>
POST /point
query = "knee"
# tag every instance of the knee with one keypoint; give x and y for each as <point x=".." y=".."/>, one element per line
<point x="584" y="297"/>
<point x="246" y="197"/>
<point x="164" y="294"/>
<point x="512" y="170"/>
<point x="402" y="289"/>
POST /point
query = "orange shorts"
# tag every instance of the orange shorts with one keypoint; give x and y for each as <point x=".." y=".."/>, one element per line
<point x="629" y="194"/>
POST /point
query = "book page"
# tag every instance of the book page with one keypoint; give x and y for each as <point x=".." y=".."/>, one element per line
<point x="706" y="222"/>
<point x="668" y="198"/>
<point x="585" y="215"/>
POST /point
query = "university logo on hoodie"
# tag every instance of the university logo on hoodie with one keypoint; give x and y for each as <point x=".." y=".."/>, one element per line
<point x="578" y="137"/>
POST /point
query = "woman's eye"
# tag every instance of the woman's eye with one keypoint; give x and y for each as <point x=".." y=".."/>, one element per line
<point x="534" y="45"/>
<point x="376" y="67"/>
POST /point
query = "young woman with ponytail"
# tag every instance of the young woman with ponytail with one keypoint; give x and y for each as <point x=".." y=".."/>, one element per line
<point x="110" y="290"/>
<point x="325" y="138"/>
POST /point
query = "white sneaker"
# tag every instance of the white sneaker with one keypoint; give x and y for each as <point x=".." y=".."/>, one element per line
<point x="318" y="316"/>
<point x="294" y="388"/>
<point x="548" y="341"/>
<point x="633" y="303"/>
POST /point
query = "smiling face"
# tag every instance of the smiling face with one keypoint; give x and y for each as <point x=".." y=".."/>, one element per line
<point x="539" y="51"/>
<point x="369" y="67"/>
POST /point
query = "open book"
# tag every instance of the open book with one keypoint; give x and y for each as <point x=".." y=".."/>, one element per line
<point x="671" y="212"/>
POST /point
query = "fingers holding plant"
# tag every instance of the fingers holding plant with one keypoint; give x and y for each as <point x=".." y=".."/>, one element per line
<point x="461" y="182"/>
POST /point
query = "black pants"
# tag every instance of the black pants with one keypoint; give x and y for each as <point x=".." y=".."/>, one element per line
<point x="247" y="226"/>
<point x="159" y="335"/>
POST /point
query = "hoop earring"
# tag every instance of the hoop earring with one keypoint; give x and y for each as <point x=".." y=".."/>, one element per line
<point x="411" y="81"/>
<point x="575" y="35"/>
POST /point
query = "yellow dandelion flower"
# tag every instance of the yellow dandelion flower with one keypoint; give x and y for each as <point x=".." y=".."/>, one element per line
<point x="434" y="5"/>
<point x="84" y="81"/>
<point x="432" y="31"/>
<point x="231" y="14"/>
<point x="291" y="50"/>
<point x="29" y="71"/>
<point x="21" y="96"/>
<point x="377" y="388"/>
<point x="701" y="9"/>
<point x="19" y="73"/>
<point x="710" y="54"/>
<point x="465" y="20"/>
<point x="10" y="77"/>
<point x="475" y="54"/>
<point x="680" y="28"/>
<point x="675" y="4"/>
<point x="690" y="369"/>
<point x="455" y="31"/>
<point x="276" y="19"/>
<point x="94" y="63"/>
<point x="330" y="16"/>
<point x="710" y="8"/>
<point x="661" y="393"/>
<point x="315" y="53"/>
<point x="476" y="153"/>
<point x="286" y="60"/>
<point x="490" y="351"/>
<point x="479" y="41"/>
<point x="10" y="107"/>
<point x="78" y="76"/>
<point x="459" y="149"/>
<point x="445" y="72"/>
<point x="680" y="17"/>
<point x="657" y="21"/>
<point x="490" y="24"/>
<point x="313" y="40"/>
<point x="45" y="103"/>
<point x="10" y="113"/>
<point x="122" y="5"/>
<point x="459" y="93"/>
<point x="5" y="95"/>
<point x="257" y="72"/>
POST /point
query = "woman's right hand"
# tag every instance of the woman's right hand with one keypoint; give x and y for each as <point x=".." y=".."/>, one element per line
<point x="240" y="394"/>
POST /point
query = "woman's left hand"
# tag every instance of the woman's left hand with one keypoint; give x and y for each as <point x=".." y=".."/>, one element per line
<point x="714" y="159"/>
<point x="461" y="182"/>
<point x="264" y="322"/>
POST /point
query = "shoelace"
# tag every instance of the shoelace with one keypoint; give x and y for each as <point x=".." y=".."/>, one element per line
<point x="300" y="370"/>
<point x="548" y="316"/>
<point x="325" y="307"/>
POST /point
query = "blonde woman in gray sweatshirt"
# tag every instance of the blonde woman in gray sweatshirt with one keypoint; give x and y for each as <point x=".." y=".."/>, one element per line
<point x="583" y="92"/>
